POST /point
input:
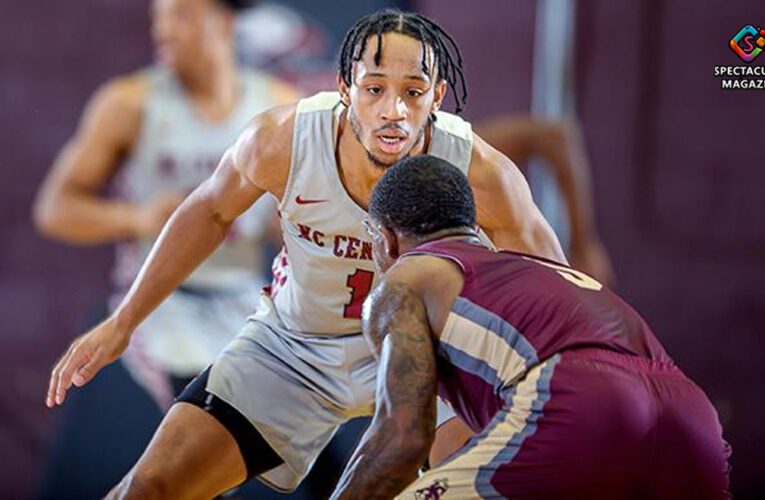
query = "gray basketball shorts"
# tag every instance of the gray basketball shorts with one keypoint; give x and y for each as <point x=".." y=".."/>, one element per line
<point x="295" y="389"/>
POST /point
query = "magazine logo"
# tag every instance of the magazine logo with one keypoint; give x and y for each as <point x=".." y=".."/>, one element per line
<point x="748" y="43"/>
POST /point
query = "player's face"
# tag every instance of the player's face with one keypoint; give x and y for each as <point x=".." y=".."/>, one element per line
<point x="389" y="104"/>
<point x="381" y="245"/>
<point x="186" y="32"/>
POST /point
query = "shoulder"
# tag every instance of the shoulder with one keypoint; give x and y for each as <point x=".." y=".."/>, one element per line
<point x="263" y="150"/>
<point x="126" y="93"/>
<point x="113" y="113"/>
<point x="454" y="125"/>
<point x="433" y="281"/>
<point x="488" y="167"/>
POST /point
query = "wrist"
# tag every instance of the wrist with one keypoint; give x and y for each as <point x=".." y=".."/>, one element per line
<point x="123" y="324"/>
<point x="131" y="220"/>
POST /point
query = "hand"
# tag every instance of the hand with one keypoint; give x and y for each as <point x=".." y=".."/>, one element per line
<point x="592" y="258"/>
<point x="153" y="215"/>
<point x="84" y="358"/>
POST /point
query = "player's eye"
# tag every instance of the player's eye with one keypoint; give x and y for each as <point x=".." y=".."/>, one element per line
<point x="415" y="92"/>
<point x="374" y="90"/>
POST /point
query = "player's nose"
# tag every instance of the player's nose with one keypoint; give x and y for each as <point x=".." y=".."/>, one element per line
<point x="394" y="109"/>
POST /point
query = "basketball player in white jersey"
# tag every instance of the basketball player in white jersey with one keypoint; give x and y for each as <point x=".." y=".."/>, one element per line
<point x="162" y="131"/>
<point x="300" y="366"/>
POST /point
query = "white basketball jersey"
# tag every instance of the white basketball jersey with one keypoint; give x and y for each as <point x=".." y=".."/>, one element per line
<point x="325" y="269"/>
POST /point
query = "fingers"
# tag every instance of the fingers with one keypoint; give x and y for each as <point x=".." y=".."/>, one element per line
<point x="55" y="377"/>
<point x="61" y="378"/>
<point x="86" y="373"/>
<point x="53" y="382"/>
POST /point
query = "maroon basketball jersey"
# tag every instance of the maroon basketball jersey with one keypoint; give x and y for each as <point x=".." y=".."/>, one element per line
<point x="516" y="311"/>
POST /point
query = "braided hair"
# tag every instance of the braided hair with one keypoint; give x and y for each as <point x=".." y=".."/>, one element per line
<point x="237" y="5"/>
<point x="446" y="53"/>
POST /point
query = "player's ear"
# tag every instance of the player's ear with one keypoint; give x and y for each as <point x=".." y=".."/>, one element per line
<point x="345" y="91"/>
<point x="439" y="93"/>
<point x="391" y="243"/>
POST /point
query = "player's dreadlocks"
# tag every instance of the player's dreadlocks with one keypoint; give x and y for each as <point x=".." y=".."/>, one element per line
<point x="448" y="59"/>
<point x="238" y="5"/>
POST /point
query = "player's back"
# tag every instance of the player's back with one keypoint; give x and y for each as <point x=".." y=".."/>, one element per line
<point x="516" y="311"/>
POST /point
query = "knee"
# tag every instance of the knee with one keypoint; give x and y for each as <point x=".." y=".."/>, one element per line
<point x="142" y="485"/>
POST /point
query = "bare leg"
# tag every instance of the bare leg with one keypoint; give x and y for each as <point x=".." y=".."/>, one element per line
<point x="450" y="437"/>
<point x="190" y="456"/>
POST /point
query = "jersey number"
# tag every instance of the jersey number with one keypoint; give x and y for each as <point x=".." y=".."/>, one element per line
<point x="360" y="283"/>
<point x="578" y="278"/>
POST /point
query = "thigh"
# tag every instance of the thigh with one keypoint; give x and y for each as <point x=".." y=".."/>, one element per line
<point x="191" y="455"/>
<point x="690" y="456"/>
<point x="473" y="471"/>
<point x="294" y="392"/>
<point x="569" y="430"/>
<point x="585" y="435"/>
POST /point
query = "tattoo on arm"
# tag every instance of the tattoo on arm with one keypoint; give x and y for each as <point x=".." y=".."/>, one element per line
<point x="398" y="441"/>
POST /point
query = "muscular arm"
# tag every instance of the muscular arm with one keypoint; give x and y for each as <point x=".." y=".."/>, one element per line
<point x="258" y="162"/>
<point x="560" y="144"/>
<point x="505" y="208"/>
<point x="69" y="205"/>
<point x="397" y="442"/>
<point x="194" y="231"/>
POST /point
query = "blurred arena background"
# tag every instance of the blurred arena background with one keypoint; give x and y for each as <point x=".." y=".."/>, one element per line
<point x="676" y="168"/>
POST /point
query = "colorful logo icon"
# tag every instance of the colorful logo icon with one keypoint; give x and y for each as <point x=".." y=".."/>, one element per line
<point x="748" y="43"/>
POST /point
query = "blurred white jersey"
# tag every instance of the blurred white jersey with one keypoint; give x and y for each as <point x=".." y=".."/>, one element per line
<point x="177" y="150"/>
<point x="325" y="269"/>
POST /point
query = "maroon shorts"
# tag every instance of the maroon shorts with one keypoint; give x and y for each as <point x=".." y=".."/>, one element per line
<point x="592" y="423"/>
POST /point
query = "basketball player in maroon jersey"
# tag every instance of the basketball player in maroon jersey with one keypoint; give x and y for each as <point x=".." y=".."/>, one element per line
<point x="568" y="391"/>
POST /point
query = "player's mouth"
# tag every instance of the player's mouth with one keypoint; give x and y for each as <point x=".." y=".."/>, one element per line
<point x="391" y="142"/>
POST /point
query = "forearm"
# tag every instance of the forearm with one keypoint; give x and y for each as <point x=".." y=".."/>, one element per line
<point x="86" y="219"/>
<point x="190" y="236"/>
<point x="568" y="160"/>
<point x="382" y="466"/>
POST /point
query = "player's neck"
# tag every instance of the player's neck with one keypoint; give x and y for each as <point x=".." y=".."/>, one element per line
<point x="212" y="86"/>
<point x="465" y="234"/>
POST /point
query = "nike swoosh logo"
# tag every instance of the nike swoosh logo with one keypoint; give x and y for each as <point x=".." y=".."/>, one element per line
<point x="301" y="201"/>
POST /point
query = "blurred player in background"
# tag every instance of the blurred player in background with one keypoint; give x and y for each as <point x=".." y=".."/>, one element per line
<point x="158" y="133"/>
<point x="568" y="390"/>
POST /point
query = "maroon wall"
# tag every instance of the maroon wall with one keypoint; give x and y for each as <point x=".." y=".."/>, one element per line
<point x="497" y="43"/>
<point x="53" y="56"/>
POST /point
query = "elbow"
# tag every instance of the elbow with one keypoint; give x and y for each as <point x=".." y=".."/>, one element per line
<point x="544" y="240"/>
<point x="414" y="447"/>
<point x="44" y="217"/>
